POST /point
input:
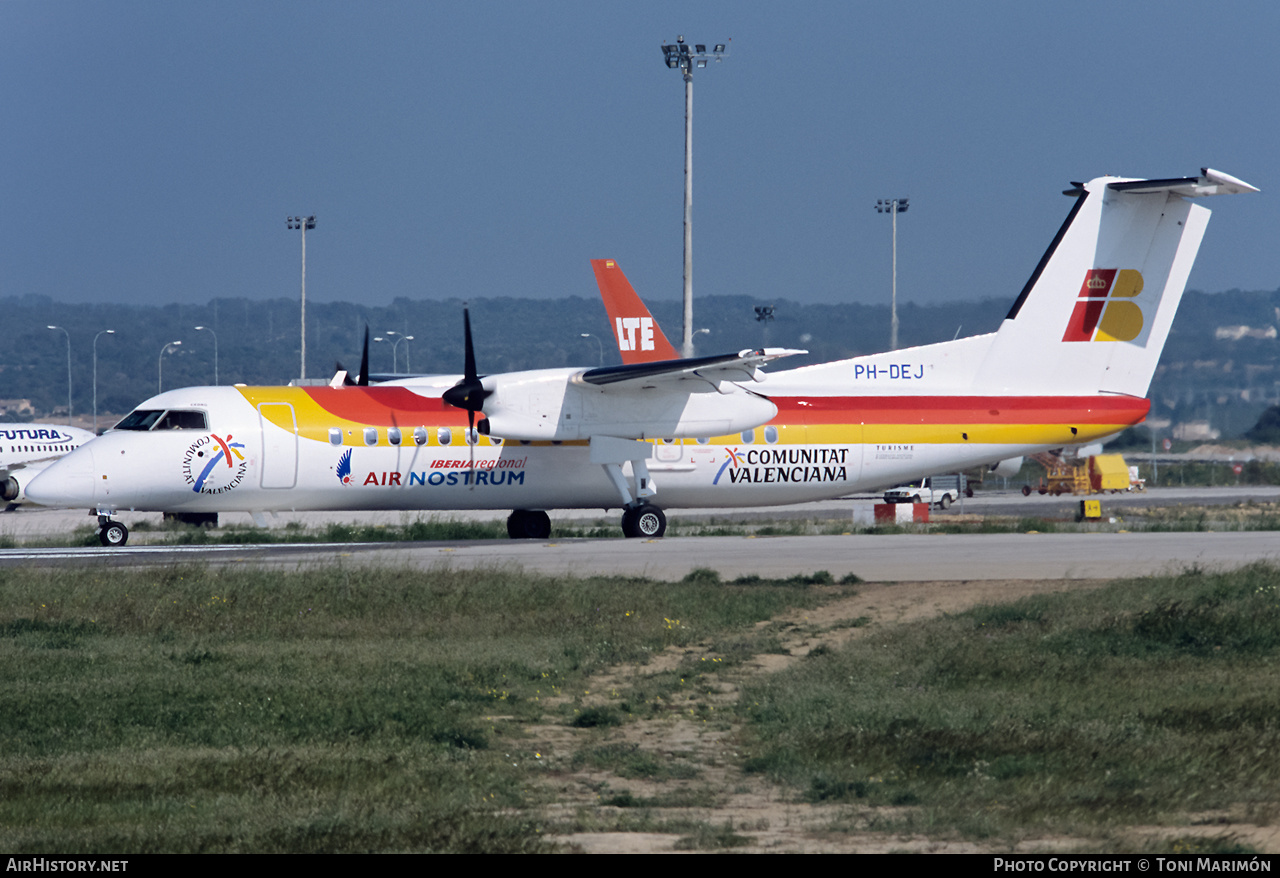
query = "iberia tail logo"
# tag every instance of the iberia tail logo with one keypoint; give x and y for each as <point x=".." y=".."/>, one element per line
<point x="1105" y="309"/>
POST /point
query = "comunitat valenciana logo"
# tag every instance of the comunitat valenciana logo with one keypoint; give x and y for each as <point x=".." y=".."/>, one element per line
<point x="214" y="465"/>
<point x="1105" y="308"/>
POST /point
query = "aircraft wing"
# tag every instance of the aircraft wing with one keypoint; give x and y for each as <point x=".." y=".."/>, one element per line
<point x="742" y="366"/>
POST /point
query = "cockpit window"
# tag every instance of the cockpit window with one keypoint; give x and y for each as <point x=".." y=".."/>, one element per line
<point x="154" y="419"/>
<point x="175" y="420"/>
<point x="140" y="419"/>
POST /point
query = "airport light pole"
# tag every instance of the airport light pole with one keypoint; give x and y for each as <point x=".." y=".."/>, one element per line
<point x="95" y="376"/>
<point x="893" y="206"/>
<point x="378" y="338"/>
<point x="394" y="346"/>
<point x="68" y="335"/>
<point x="303" y="223"/>
<point x="599" y="344"/>
<point x="160" y="365"/>
<point x="215" y="351"/>
<point x="683" y="57"/>
<point x="394" y="362"/>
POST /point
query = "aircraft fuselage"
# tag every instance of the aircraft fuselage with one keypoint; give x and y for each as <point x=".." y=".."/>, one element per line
<point x="388" y="447"/>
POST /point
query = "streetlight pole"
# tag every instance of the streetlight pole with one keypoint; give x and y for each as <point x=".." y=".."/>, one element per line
<point x="95" y="376"/>
<point x="394" y="362"/>
<point x="599" y="344"/>
<point x="68" y="335"/>
<point x="893" y="206"/>
<point x="303" y="223"/>
<point x="683" y="57"/>
<point x="215" y="352"/>
<point x="394" y="346"/>
<point x="160" y="365"/>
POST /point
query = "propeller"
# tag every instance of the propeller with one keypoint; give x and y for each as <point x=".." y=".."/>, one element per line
<point x="468" y="393"/>
<point x="362" y="380"/>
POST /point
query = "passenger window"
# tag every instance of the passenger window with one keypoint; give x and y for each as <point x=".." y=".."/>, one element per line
<point x="420" y="435"/>
<point x="470" y="436"/>
<point x="748" y="437"/>
<point x="370" y="435"/>
<point x="335" y="435"/>
<point x="444" y="435"/>
<point x="771" y="434"/>
<point x="393" y="435"/>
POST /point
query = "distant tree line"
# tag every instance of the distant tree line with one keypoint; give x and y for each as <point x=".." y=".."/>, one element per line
<point x="1201" y="377"/>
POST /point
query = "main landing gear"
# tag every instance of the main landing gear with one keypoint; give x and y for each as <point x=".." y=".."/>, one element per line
<point x="528" y="524"/>
<point x="112" y="534"/>
<point x="645" y="520"/>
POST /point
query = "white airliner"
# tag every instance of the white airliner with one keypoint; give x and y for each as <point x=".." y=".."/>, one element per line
<point x="25" y="449"/>
<point x="1070" y="364"/>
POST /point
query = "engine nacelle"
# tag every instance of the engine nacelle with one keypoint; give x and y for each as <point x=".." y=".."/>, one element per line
<point x="10" y="489"/>
<point x="1008" y="467"/>
<point x="549" y="406"/>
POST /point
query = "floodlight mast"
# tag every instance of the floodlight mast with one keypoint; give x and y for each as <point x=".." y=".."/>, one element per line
<point x="303" y="223"/>
<point x="893" y="206"/>
<point x="683" y="57"/>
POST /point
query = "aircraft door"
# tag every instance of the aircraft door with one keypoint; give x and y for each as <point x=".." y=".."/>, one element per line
<point x="279" y="444"/>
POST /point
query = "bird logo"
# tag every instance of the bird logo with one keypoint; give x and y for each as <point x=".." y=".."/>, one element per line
<point x="344" y="467"/>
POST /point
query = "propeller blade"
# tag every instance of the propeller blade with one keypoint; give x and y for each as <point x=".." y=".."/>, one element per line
<point x="469" y="363"/>
<point x="469" y="393"/>
<point x="363" y="381"/>
<point x="471" y="440"/>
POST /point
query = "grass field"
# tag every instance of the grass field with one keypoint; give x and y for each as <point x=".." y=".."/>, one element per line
<point x="350" y="709"/>
<point x="1076" y="714"/>
<point x="196" y="709"/>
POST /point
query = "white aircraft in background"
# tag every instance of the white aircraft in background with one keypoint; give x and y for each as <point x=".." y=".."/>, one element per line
<point x="1070" y="364"/>
<point x="29" y="448"/>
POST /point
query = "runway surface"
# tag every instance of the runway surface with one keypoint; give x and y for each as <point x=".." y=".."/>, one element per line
<point x="901" y="557"/>
<point x="907" y="557"/>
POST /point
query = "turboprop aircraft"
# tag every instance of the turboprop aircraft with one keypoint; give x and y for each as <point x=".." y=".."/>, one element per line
<point x="1070" y="364"/>
<point x="29" y="448"/>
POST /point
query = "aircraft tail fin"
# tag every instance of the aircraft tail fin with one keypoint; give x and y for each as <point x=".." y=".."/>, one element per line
<point x="1096" y="312"/>
<point x="639" y="338"/>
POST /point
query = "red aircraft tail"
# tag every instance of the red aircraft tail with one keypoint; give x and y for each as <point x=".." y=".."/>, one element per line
<point x="640" y="339"/>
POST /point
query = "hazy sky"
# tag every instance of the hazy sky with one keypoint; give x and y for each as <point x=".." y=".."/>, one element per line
<point x="150" y="151"/>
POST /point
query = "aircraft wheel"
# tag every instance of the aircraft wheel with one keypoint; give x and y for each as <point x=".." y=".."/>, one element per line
<point x="525" y="524"/>
<point x="644" y="521"/>
<point x="1044" y="490"/>
<point x="1026" y="490"/>
<point x="113" y="534"/>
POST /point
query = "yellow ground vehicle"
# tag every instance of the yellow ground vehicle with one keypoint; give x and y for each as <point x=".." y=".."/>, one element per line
<point x="1098" y="474"/>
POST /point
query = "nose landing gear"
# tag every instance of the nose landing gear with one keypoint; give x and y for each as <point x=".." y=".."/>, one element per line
<point x="112" y="534"/>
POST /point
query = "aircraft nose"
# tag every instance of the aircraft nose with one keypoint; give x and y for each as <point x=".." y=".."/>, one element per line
<point x="65" y="482"/>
